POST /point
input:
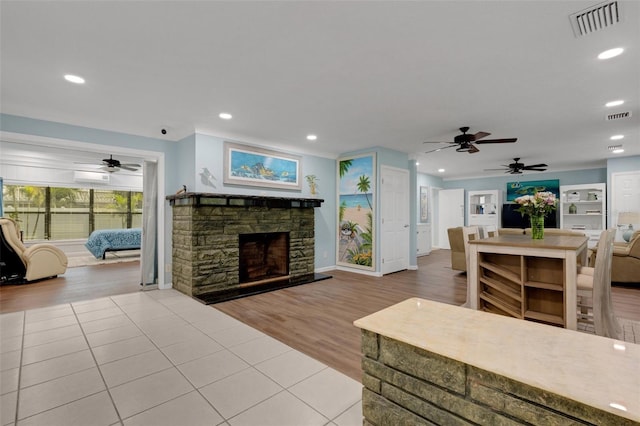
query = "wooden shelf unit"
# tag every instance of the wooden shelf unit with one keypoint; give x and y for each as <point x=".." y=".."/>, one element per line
<point x="524" y="287"/>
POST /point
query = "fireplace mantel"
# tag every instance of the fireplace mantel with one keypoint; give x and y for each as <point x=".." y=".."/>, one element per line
<point x="232" y="200"/>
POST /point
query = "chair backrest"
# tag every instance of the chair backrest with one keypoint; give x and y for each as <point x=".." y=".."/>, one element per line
<point x="11" y="232"/>
<point x="11" y="235"/>
<point x="490" y="231"/>
<point x="469" y="233"/>
<point x="604" y="319"/>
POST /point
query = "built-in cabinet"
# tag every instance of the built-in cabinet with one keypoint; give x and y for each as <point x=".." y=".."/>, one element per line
<point x="423" y="242"/>
<point x="583" y="208"/>
<point x="483" y="209"/>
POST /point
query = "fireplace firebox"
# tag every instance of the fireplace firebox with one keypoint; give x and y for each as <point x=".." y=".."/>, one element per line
<point x="263" y="256"/>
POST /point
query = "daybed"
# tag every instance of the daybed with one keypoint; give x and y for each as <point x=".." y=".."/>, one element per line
<point x="105" y="240"/>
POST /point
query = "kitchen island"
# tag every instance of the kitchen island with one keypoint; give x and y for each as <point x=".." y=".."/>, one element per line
<point x="425" y="361"/>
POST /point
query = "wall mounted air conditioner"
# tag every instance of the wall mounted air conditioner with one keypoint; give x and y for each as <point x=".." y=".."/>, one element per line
<point x="93" y="177"/>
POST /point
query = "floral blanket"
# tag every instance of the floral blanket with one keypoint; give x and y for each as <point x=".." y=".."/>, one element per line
<point x="105" y="240"/>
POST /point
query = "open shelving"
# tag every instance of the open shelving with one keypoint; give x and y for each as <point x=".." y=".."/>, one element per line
<point x="524" y="287"/>
<point x="583" y="208"/>
<point x="483" y="208"/>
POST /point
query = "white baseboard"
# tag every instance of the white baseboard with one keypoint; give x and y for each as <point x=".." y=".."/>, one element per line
<point x="359" y="271"/>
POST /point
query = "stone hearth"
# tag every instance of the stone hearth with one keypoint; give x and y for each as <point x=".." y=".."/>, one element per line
<point x="206" y="241"/>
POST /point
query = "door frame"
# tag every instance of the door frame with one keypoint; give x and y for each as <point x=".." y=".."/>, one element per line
<point x="407" y="214"/>
<point x="155" y="156"/>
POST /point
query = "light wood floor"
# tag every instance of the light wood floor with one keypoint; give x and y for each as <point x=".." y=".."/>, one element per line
<point x="316" y="319"/>
<point x="82" y="283"/>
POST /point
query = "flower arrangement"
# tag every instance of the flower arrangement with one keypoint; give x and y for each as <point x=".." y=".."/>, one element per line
<point x="538" y="204"/>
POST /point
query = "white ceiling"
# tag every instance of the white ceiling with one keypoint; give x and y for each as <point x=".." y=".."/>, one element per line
<point x="357" y="74"/>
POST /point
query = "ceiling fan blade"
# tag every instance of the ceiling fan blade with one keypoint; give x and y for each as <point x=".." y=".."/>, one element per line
<point x="438" y="142"/>
<point x="508" y="140"/>
<point x="480" y="135"/>
<point x="536" y="166"/>
<point x="473" y="149"/>
<point x="491" y="170"/>
<point x="440" y="149"/>
<point x="127" y="167"/>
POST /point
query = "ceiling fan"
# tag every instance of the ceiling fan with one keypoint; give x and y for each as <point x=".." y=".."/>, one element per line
<point x="516" y="167"/>
<point x="466" y="142"/>
<point x="112" y="165"/>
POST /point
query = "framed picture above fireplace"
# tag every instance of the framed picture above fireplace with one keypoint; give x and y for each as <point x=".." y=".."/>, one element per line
<point x="253" y="166"/>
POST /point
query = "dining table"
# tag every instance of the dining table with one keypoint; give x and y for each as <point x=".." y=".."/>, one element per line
<point x="525" y="278"/>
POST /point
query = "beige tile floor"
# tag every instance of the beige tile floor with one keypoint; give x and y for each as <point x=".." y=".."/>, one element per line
<point x="160" y="358"/>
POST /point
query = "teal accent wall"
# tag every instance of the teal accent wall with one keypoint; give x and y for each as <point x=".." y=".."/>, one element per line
<point x="573" y="177"/>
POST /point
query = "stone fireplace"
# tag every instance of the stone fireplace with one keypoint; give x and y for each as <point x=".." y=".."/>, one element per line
<point x="227" y="246"/>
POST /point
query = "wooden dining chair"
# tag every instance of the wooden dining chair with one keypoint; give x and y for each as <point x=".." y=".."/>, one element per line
<point x="469" y="233"/>
<point x="490" y="231"/>
<point x="594" y="285"/>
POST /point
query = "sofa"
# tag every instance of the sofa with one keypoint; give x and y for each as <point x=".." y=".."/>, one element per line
<point x="625" y="265"/>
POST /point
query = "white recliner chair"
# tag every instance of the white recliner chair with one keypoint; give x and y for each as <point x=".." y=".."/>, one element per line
<point x="39" y="260"/>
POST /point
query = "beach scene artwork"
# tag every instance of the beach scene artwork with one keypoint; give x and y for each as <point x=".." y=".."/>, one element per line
<point x="518" y="189"/>
<point x="356" y="189"/>
<point x="260" y="167"/>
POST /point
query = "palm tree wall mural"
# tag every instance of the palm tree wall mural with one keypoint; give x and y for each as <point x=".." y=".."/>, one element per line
<point x="356" y="189"/>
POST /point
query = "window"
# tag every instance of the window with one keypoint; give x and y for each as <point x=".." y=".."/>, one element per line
<point x="50" y="213"/>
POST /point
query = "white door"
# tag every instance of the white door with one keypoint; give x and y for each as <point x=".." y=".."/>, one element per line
<point x="625" y="197"/>
<point x="394" y="220"/>
<point x="450" y="213"/>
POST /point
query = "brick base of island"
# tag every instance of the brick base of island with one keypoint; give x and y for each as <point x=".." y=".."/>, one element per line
<point x="428" y="363"/>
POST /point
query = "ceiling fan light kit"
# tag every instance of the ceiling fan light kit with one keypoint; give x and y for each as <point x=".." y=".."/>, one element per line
<point x="112" y="165"/>
<point x="516" y="168"/>
<point x="466" y="142"/>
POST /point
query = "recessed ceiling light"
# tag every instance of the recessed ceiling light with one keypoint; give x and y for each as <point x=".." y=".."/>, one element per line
<point x="417" y="163"/>
<point x="616" y="137"/>
<point x="611" y="53"/>
<point x="614" y="103"/>
<point x="74" y="79"/>
<point x="440" y="170"/>
<point x="225" y="116"/>
<point x="312" y="137"/>
<point x="616" y="149"/>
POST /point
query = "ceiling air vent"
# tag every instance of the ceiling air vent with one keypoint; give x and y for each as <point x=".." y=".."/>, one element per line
<point x="595" y="18"/>
<point x="618" y="115"/>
